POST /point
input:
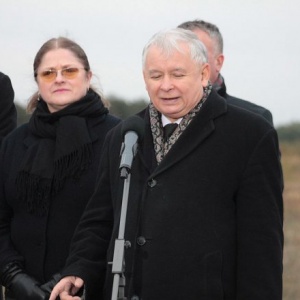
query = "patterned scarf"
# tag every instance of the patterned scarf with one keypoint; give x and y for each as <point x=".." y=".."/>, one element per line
<point x="63" y="149"/>
<point x="162" y="147"/>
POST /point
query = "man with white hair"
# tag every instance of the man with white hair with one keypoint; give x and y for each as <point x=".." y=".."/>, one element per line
<point x="205" y="215"/>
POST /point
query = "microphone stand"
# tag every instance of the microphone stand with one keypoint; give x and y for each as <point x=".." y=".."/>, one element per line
<point x="118" y="264"/>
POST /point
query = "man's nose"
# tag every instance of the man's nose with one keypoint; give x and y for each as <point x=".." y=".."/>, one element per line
<point x="166" y="84"/>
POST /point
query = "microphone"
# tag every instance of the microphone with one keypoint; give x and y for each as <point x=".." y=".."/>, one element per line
<point x="132" y="131"/>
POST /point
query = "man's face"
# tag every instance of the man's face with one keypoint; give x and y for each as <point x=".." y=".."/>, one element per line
<point x="174" y="82"/>
<point x="215" y="60"/>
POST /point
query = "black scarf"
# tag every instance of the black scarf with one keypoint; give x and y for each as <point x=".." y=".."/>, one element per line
<point x="64" y="149"/>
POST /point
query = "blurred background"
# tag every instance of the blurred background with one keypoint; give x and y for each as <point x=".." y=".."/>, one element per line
<point x="260" y="43"/>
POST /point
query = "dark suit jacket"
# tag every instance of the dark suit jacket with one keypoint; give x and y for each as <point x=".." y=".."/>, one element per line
<point x="8" y="113"/>
<point x="204" y="224"/>
<point x="257" y="109"/>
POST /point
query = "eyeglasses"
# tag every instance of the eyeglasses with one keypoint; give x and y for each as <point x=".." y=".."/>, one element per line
<point x="68" y="73"/>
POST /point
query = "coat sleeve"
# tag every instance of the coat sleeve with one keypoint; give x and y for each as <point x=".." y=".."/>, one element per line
<point x="8" y="113"/>
<point x="7" y="250"/>
<point x="260" y="224"/>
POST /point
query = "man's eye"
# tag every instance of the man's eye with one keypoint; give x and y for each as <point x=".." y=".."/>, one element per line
<point x="155" y="76"/>
<point x="178" y="75"/>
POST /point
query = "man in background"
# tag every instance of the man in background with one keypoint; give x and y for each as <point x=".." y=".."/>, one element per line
<point x="211" y="37"/>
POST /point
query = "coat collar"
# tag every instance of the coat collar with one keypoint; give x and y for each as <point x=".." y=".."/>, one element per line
<point x="198" y="130"/>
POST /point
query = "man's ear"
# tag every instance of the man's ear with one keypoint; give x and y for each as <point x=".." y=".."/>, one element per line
<point x="219" y="62"/>
<point x="205" y="74"/>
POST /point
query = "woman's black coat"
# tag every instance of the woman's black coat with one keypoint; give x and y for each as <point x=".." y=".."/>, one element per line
<point x="42" y="242"/>
<point x="204" y="224"/>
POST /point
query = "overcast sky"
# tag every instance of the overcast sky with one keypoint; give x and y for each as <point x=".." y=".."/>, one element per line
<point x="261" y="43"/>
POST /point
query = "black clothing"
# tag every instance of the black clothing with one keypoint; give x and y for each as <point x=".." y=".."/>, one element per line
<point x="204" y="223"/>
<point x="40" y="241"/>
<point x="257" y="109"/>
<point x="64" y="150"/>
<point x="8" y="112"/>
<point x="169" y="129"/>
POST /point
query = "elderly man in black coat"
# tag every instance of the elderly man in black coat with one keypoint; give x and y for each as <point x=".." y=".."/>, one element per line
<point x="8" y="113"/>
<point x="205" y="209"/>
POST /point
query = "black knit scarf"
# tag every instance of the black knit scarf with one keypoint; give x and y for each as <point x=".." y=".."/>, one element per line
<point x="63" y="149"/>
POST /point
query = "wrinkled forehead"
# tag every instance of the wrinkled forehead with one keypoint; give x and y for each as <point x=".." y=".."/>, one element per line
<point x="170" y="62"/>
<point x="156" y="52"/>
<point x="169" y="49"/>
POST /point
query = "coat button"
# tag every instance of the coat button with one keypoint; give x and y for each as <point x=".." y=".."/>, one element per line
<point x="152" y="183"/>
<point x="135" y="298"/>
<point x="141" y="240"/>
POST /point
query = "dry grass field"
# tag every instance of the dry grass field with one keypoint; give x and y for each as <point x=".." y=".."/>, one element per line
<point x="291" y="171"/>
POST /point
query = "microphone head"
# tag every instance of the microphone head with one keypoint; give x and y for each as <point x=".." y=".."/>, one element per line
<point x="133" y="123"/>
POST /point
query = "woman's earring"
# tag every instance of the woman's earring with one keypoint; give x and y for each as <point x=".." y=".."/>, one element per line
<point x="39" y="96"/>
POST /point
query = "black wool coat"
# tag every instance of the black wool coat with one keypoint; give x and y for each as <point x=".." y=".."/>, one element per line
<point x="250" y="106"/>
<point x="207" y="223"/>
<point x="8" y="112"/>
<point x="42" y="242"/>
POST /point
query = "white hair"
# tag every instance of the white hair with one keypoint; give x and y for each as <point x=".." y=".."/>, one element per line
<point x="169" y="41"/>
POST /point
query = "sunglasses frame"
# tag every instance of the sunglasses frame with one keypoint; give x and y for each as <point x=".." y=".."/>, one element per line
<point x="68" y="73"/>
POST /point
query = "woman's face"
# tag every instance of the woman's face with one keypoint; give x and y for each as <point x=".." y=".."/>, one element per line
<point x="61" y="88"/>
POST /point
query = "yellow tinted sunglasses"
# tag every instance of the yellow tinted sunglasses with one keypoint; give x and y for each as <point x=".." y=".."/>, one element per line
<point x="68" y="73"/>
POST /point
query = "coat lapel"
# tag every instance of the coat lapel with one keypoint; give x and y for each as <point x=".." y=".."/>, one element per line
<point x="201" y="127"/>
